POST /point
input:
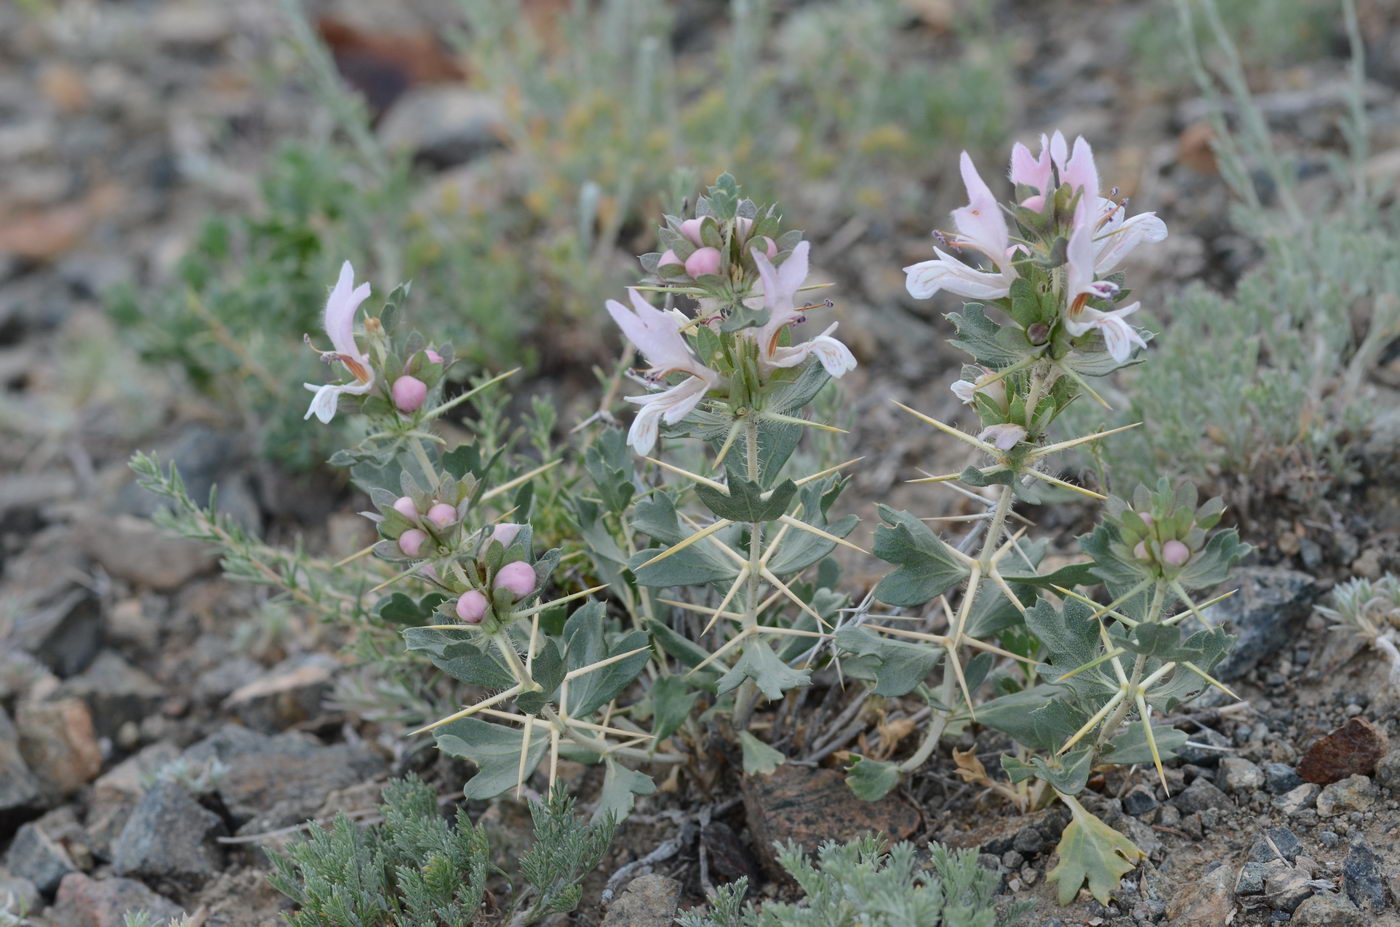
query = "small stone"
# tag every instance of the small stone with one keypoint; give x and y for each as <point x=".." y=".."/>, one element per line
<point x="1388" y="770"/>
<point x="1280" y="778"/>
<point x="1192" y="826"/>
<point x="1170" y="816"/>
<point x="1139" y="801"/>
<point x="1354" y="793"/>
<point x="1352" y="749"/>
<point x="1239" y="775"/>
<point x="59" y="744"/>
<point x="444" y="125"/>
<point x="1012" y="860"/>
<point x="1028" y="842"/>
<point x="1251" y="878"/>
<point x="116" y="693"/>
<point x="21" y="796"/>
<point x="1205" y="902"/>
<point x="169" y="840"/>
<point x="117" y="791"/>
<point x="1361" y="874"/>
<point x="1200" y="795"/>
<point x="1328" y="838"/>
<point x="1295" y="800"/>
<point x="1329" y="910"/>
<point x="85" y="902"/>
<point x="38" y="857"/>
<point x="1276" y="843"/>
<point x="23" y="895"/>
<point x="1204" y="748"/>
<point x="1271" y="605"/>
<point x="288" y="694"/>
<point x="64" y="635"/>
<point x="648" y="901"/>
<point x="1285" y="886"/>
<point x="136" y="550"/>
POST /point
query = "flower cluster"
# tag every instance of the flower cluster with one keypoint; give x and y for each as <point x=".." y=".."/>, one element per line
<point x="1069" y="240"/>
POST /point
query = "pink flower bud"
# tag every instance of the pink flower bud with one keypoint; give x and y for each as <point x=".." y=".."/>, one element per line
<point x="742" y="226"/>
<point x="1034" y="203"/>
<point x="667" y="257"/>
<point x="517" y="577"/>
<point x="412" y="541"/>
<point x="1146" y="518"/>
<point x="1175" y="553"/>
<point x="690" y="228"/>
<point x="770" y="247"/>
<point x="471" y="607"/>
<point x="505" y="532"/>
<point x="703" y="261"/>
<point x="409" y="393"/>
<point x="405" y="507"/>
<point x="442" y="514"/>
<point x="428" y="571"/>
<point x="433" y="356"/>
<point x="1140" y="550"/>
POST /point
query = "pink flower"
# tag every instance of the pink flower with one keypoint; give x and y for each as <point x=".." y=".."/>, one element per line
<point x="471" y="607"/>
<point x="341" y="306"/>
<point x="1080" y="286"/>
<point x="442" y="514"/>
<point x="1117" y="235"/>
<point x="780" y="287"/>
<point x="433" y="356"/>
<point x="1004" y="436"/>
<point x="981" y="227"/>
<point x="703" y="261"/>
<point x="517" y="577"/>
<point x="989" y="384"/>
<point x="658" y="337"/>
<point x="409" y="393"/>
<point x="411" y="541"/>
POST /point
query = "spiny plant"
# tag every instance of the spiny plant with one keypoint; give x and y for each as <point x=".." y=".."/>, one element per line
<point x="1371" y="611"/>
<point x="865" y="884"/>
<point x="719" y="561"/>
<point x="415" y="869"/>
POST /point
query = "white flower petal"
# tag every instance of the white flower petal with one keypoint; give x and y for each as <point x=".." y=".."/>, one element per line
<point x="1123" y="235"/>
<point x="948" y="273"/>
<point x="833" y="355"/>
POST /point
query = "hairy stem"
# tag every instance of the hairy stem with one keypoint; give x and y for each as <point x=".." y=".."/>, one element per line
<point x="747" y="698"/>
<point x="1154" y="613"/>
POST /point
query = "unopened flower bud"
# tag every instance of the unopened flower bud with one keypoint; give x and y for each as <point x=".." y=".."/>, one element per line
<point x="409" y="393"/>
<point x="1146" y="518"/>
<point x="742" y="226"/>
<point x="471" y="607"/>
<point x="703" y="261"/>
<point x="690" y="228"/>
<point x="505" y="532"/>
<point x="433" y="356"/>
<point x="770" y="247"/>
<point x="442" y="514"/>
<point x="405" y="507"/>
<point x="1140" y="550"/>
<point x="517" y="577"/>
<point x="1175" y="553"/>
<point x="412" y="541"/>
<point x="1038" y="332"/>
<point x="667" y="257"/>
<point x="1034" y="203"/>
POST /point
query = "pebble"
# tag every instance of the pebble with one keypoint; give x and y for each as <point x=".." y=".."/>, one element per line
<point x="1361" y="874"/>
<point x="1354" y="793"/>
<point x="288" y="694"/>
<point x="20" y="793"/>
<point x="1329" y="910"/>
<point x="1028" y="841"/>
<point x="144" y="555"/>
<point x="170" y="840"/>
<point x="86" y="902"/>
<point x="648" y="901"/>
<point x="1388" y="770"/>
<point x="1296" y="800"/>
<point x="444" y="125"/>
<point x="1276" y="842"/>
<point x="1328" y="838"/>
<point x="1352" y="749"/>
<point x="1170" y="816"/>
<point x="65" y="635"/>
<point x="116" y="693"/>
<point x="1280" y="778"/>
<point x="1200" y="795"/>
<point x="1204" y="748"/>
<point x="59" y="744"/>
<point x="1239" y="775"/>
<point x="35" y="855"/>
<point x="1139" y="801"/>
<point x="22" y="894"/>
<point x="1204" y="902"/>
<point x="1272" y="603"/>
<point x="1286" y="886"/>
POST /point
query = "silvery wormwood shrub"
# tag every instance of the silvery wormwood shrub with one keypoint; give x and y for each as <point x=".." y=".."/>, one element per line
<point x="700" y="592"/>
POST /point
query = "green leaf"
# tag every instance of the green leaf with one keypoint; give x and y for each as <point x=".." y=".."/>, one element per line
<point x="456" y="653"/>
<point x="926" y="567"/>
<point x="586" y="644"/>
<point x="769" y="673"/>
<point x="992" y="345"/>
<point x="1211" y="565"/>
<point x="745" y="502"/>
<point x="1070" y="635"/>
<point x="547" y="670"/>
<point x="401" y="609"/>
<point x="897" y="667"/>
<point x="462" y="460"/>
<point x="495" y="749"/>
<point x="759" y="758"/>
<point x="620" y="785"/>
<point x="871" y="780"/>
<point x="678" y="645"/>
<point x="671" y="703"/>
<point x="1076" y="574"/>
<point x="609" y="464"/>
<point x="1091" y="851"/>
<point x="1131" y="748"/>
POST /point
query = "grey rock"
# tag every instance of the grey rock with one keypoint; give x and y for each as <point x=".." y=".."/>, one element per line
<point x="1286" y="886"/>
<point x="1329" y="910"/>
<point x="1388" y="771"/>
<point x="22" y="894"/>
<point x="85" y="902"/>
<point x="277" y="781"/>
<point x="1271" y="606"/>
<point x="288" y="694"/>
<point x="139" y="552"/>
<point x="1139" y="801"/>
<point x="1251" y="878"/>
<point x="1280" y="778"/>
<point x="1028" y="841"/>
<point x="1361" y="875"/>
<point x="1206" y="902"/>
<point x="117" y="791"/>
<point x="1354" y="793"/>
<point x="1239" y="775"/>
<point x="1204" y="748"/>
<point x="65" y="634"/>
<point x="116" y="692"/>
<point x="444" y="125"/>
<point x="1328" y="838"/>
<point x="648" y="901"/>
<point x="1200" y="795"/>
<point x="225" y="678"/>
<point x="23" y="677"/>
<point x="1297" y="799"/>
<point x="38" y="857"/>
<point x="20" y="794"/>
<point x="1276" y="843"/>
<point x="169" y="840"/>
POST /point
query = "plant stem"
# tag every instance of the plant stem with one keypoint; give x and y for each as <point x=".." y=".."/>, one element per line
<point x="747" y="698"/>
<point x="1154" y="612"/>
